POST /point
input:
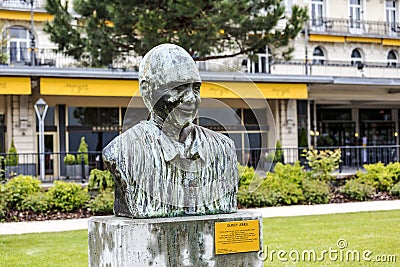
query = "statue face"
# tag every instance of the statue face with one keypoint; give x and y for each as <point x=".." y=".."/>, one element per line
<point x="178" y="105"/>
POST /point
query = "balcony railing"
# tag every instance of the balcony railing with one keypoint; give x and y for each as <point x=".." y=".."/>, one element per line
<point x="350" y="27"/>
<point x="50" y="58"/>
<point x="22" y="4"/>
<point x="352" y="159"/>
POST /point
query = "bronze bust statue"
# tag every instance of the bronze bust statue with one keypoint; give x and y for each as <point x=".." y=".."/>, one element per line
<point x="168" y="166"/>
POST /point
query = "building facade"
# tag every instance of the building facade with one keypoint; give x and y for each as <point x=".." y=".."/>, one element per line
<point x="341" y="87"/>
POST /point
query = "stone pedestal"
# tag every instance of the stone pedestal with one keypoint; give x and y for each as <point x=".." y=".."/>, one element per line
<point x="177" y="241"/>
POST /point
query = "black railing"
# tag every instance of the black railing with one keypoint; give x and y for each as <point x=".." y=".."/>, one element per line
<point x="352" y="159"/>
<point x="353" y="27"/>
<point x="22" y="4"/>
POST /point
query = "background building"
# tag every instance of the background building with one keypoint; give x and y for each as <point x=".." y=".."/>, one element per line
<point x="341" y="87"/>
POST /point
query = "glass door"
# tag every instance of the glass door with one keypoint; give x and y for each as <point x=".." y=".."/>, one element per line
<point x="50" y="160"/>
<point x="355" y="16"/>
<point x="317" y="14"/>
<point x="391" y="17"/>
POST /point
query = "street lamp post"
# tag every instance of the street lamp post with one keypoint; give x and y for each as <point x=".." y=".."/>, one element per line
<point x="33" y="45"/>
<point x="41" y="110"/>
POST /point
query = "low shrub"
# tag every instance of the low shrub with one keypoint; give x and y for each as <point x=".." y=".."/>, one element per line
<point x="284" y="184"/>
<point x="67" y="196"/>
<point x="69" y="159"/>
<point x="246" y="175"/>
<point x="357" y="190"/>
<point x="12" y="155"/>
<point x="18" y="188"/>
<point x="395" y="190"/>
<point x="82" y="152"/>
<point x="100" y="180"/>
<point x="322" y="163"/>
<point x="315" y="191"/>
<point x="38" y="202"/>
<point x="378" y="175"/>
<point x="103" y="203"/>
<point x="279" y="188"/>
<point x="3" y="202"/>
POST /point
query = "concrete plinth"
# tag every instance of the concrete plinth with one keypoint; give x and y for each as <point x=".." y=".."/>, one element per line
<point x="177" y="241"/>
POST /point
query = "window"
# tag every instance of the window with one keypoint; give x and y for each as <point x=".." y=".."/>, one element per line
<point x="355" y="14"/>
<point x="356" y="58"/>
<point x="262" y="65"/>
<point x="391" y="16"/>
<point x="18" y="44"/>
<point x="317" y="12"/>
<point x="392" y="59"/>
<point x="318" y="56"/>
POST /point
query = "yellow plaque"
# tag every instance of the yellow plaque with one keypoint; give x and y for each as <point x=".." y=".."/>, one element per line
<point x="237" y="236"/>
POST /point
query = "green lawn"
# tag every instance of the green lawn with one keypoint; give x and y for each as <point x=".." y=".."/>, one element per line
<point x="378" y="232"/>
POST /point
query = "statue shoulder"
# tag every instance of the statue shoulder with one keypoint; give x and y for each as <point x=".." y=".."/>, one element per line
<point x="136" y="132"/>
<point x="218" y="136"/>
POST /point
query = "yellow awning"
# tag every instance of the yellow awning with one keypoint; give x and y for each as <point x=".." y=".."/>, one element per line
<point x="363" y="40"/>
<point x="15" y="86"/>
<point x="88" y="87"/>
<point x="326" y="38"/>
<point x="253" y="90"/>
<point x="129" y="88"/>
<point x="24" y="15"/>
<point x="393" y="42"/>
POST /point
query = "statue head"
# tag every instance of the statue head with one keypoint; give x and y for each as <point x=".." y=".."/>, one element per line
<point x="169" y="82"/>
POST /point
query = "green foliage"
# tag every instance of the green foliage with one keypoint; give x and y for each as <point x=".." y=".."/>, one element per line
<point x="203" y="27"/>
<point x="246" y="175"/>
<point x="322" y="163"/>
<point x="357" y="190"/>
<point x="3" y="202"/>
<point x="378" y="175"/>
<point x="277" y="155"/>
<point x="315" y="191"/>
<point x="37" y="202"/>
<point x="12" y="155"/>
<point x="303" y="142"/>
<point x="82" y="152"/>
<point x="278" y="152"/>
<point x="19" y="188"/>
<point x="70" y="159"/>
<point x="395" y="190"/>
<point x="285" y="183"/>
<point x="283" y="187"/>
<point x="100" y="180"/>
<point x="67" y="196"/>
<point x="3" y="44"/>
<point x="103" y="203"/>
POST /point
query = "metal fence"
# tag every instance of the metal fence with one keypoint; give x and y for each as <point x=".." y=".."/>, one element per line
<point x="354" y="27"/>
<point x="352" y="158"/>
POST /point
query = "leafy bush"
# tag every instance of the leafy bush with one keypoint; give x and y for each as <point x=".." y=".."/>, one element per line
<point x="395" y="191"/>
<point x="284" y="183"/>
<point x="100" y="180"/>
<point x="82" y="152"/>
<point x="20" y="187"/>
<point x="357" y="190"/>
<point x="103" y="203"/>
<point x="322" y="163"/>
<point x="394" y="169"/>
<point x="70" y="159"/>
<point x="246" y="175"/>
<point x="278" y="152"/>
<point x="3" y="202"/>
<point x="37" y="202"/>
<point x="315" y="191"/>
<point x="67" y="196"/>
<point x="379" y="176"/>
<point x="12" y="155"/>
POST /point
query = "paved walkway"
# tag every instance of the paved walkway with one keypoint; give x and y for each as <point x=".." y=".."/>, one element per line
<point x="79" y="224"/>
